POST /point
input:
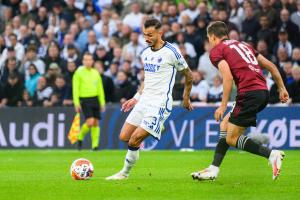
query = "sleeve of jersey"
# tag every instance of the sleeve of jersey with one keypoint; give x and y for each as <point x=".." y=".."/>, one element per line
<point x="101" y="95"/>
<point x="75" y="88"/>
<point x="215" y="56"/>
<point x="180" y="63"/>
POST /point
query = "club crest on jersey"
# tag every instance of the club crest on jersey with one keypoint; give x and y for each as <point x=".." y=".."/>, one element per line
<point x="159" y="60"/>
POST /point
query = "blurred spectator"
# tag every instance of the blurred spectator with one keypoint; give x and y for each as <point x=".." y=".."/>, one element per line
<point x="13" y="90"/>
<point x="43" y="92"/>
<point x="234" y="35"/>
<point x="265" y="33"/>
<point x="102" y="56"/>
<point x="192" y="37"/>
<point x="10" y="67"/>
<point x="42" y="17"/>
<point x="223" y="16"/>
<point x="62" y="93"/>
<point x="216" y="91"/>
<point x="133" y="49"/>
<point x="200" y="87"/>
<point x="24" y="13"/>
<point x="296" y="57"/>
<point x="67" y="41"/>
<point x="294" y="88"/>
<point x="32" y="80"/>
<point x="156" y="11"/>
<point x="291" y="28"/>
<point x="130" y="72"/>
<point x="134" y="18"/>
<point x="44" y="45"/>
<point x="190" y="50"/>
<point x="51" y="74"/>
<point x="72" y="55"/>
<point x="203" y="13"/>
<point x="124" y="89"/>
<point x="15" y="46"/>
<point x="206" y="66"/>
<point x="282" y="57"/>
<point x="69" y="11"/>
<point x="295" y="17"/>
<point x="262" y="48"/>
<point x="53" y="56"/>
<point x="104" y="37"/>
<point x="71" y="68"/>
<point x="201" y="28"/>
<point x="171" y="15"/>
<point x="192" y="12"/>
<point x="2" y="44"/>
<point x="92" y="43"/>
<point x="250" y="25"/>
<point x="283" y="42"/>
<point x="112" y="71"/>
<point x="236" y="15"/>
<point x="108" y="84"/>
<point x="32" y="58"/>
<point x="287" y="68"/>
<point x="265" y="9"/>
<point x="105" y="20"/>
<point x="192" y="62"/>
<point x="26" y="100"/>
<point x="124" y="34"/>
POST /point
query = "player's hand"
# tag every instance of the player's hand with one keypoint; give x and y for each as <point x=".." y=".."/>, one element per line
<point x="102" y="109"/>
<point x="129" y="104"/>
<point x="78" y="109"/>
<point x="219" y="113"/>
<point x="283" y="95"/>
<point x="187" y="104"/>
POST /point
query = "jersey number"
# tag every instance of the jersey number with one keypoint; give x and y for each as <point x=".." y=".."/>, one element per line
<point x="245" y="53"/>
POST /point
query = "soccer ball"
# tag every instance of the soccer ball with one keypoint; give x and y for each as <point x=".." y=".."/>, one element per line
<point x="81" y="169"/>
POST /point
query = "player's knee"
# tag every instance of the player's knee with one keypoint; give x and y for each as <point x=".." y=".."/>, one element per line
<point x="95" y="123"/>
<point x="90" y="123"/>
<point x="134" y="141"/>
<point x="123" y="137"/>
<point x="230" y="140"/>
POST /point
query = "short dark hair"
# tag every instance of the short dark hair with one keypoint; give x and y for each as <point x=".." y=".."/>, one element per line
<point x="218" y="28"/>
<point x="152" y="22"/>
<point x="88" y="54"/>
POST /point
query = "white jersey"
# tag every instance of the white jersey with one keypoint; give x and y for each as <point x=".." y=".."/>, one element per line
<point x="160" y="68"/>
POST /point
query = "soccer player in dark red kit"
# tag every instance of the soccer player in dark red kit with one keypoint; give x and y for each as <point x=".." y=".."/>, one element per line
<point x="239" y="62"/>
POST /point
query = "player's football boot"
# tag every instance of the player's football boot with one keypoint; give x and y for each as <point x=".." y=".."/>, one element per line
<point x="117" y="176"/>
<point x="210" y="173"/>
<point x="275" y="160"/>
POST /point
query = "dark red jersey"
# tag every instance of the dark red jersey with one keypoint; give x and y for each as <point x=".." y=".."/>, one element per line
<point x="241" y="57"/>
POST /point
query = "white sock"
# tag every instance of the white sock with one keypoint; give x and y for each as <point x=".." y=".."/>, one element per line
<point x="131" y="157"/>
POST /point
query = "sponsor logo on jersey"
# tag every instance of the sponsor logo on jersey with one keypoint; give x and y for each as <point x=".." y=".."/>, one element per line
<point x="148" y="67"/>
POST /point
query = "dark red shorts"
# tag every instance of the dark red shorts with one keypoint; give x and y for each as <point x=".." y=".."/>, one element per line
<point x="246" y="107"/>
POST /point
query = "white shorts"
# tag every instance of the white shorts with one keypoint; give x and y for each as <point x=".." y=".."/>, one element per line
<point x="149" y="117"/>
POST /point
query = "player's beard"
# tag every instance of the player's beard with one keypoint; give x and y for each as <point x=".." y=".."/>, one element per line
<point x="151" y="43"/>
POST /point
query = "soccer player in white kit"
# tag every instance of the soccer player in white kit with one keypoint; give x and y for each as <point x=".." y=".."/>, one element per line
<point x="153" y="102"/>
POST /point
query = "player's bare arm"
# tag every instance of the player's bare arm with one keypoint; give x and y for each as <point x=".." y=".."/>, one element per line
<point x="227" y="86"/>
<point x="187" y="89"/>
<point x="129" y="104"/>
<point x="265" y="63"/>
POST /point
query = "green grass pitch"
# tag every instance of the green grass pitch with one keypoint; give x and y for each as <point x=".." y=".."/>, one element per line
<point x="44" y="174"/>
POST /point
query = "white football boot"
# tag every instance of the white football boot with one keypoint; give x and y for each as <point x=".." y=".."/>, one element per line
<point x="117" y="176"/>
<point x="210" y="173"/>
<point x="275" y="160"/>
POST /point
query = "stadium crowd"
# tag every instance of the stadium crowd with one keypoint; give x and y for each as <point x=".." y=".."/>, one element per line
<point x="42" y="41"/>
